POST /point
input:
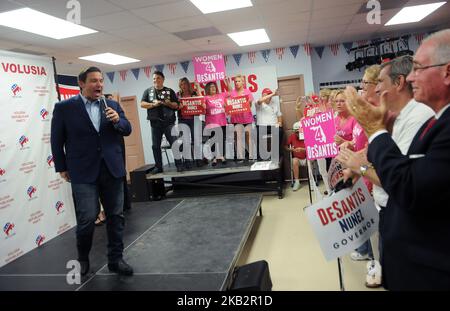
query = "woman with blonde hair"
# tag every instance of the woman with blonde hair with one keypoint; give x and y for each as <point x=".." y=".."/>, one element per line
<point x="369" y="83"/>
<point x="349" y="134"/>
<point x="245" y="119"/>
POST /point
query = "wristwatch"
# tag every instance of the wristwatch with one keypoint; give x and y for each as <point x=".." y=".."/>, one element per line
<point x="364" y="168"/>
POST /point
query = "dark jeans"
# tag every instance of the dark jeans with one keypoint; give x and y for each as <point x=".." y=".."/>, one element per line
<point x="190" y="124"/>
<point x="126" y="199"/>
<point x="86" y="196"/>
<point x="157" y="133"/>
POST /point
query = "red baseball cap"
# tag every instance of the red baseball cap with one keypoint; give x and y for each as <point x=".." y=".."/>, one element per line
<point x="267" y="91"/>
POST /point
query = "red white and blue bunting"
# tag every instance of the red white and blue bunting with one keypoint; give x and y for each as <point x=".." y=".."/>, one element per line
<point x="251" y="57"/>
<point x="123" y="74"/>
<point x="334" y="49"/>
<point x="280" y="53"/>
<point x="148" y="71"/>
<point x="308" y="49"/>
<point x="136" y="72"/>
<point x="172" y="68"/>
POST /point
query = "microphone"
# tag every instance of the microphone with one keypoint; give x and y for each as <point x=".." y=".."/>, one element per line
<point x="104" y="105"/>
<point x="103" y="101"/>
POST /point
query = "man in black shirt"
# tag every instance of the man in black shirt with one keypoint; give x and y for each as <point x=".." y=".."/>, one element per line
<point x="161" y="103"/>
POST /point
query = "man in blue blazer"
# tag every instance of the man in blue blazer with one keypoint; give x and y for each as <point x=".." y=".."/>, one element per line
<point x="415" y="226"/>
<point x="86" y="145"/>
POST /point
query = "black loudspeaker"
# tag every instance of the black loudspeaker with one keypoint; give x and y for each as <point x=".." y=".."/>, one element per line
<point x="252" y="277"/>
<point x="145" y="190"/>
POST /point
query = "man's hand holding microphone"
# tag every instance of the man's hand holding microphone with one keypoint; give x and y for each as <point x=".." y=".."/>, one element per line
<point x="110" y="113"/>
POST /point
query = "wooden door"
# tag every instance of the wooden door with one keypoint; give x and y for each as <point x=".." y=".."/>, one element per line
<point x="289" y="88"/>
<point x="133" y="143"/>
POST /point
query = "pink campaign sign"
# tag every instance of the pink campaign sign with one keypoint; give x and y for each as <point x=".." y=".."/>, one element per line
<point x="319" y="132"/>
<point x="209" y="68"/>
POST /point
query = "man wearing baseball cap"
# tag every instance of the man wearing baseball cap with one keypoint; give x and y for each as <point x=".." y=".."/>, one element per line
<point x="296" y="145"/>
<point x="268" y="117"/>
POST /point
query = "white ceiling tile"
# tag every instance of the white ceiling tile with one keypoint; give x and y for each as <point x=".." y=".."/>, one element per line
<point x="169" y="11"/>
<point x="140" y="32"/>
<point x="327" y="13"/>
<point x="280" y="28"/>
<point x="183" y="24"/>
<point x="327" y="4"/>
<point x="285" y="7"/>
<point x="114" y="21"/>
<point x="98" y="38"/>
<point x="89" y="8"/>
<point x="257" y="3"/>
<point x="287" y="19"/>
<point x="155" y="41"/>
<point x="330" y="22"/>
<point x="210" y="40"/>
<point x="233" y="16"/>
<point x="136" y="4"/>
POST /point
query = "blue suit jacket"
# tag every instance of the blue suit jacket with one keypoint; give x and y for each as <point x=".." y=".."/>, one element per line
<point x="415" y="226"/>
<point x="78" y="148"/>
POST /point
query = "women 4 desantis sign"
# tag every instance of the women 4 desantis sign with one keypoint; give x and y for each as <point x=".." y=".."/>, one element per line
<point x="209" y="68"/>
<point x="319" y="132"/>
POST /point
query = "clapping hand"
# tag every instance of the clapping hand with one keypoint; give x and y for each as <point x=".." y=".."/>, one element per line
<point x="370" y="117"/>
<point x="353" y="160"/>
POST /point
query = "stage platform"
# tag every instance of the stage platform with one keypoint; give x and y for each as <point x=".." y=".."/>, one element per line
<point x="180" y="245"/>
<point x="232" y="177"/>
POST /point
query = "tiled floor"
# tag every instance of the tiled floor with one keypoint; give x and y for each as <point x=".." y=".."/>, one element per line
<point x="284" y="238"/>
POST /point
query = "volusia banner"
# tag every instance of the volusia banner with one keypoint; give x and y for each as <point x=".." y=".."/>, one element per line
<point x="35" y="203"/>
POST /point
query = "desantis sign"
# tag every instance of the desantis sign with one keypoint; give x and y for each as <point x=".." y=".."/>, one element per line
<point x="335" y="173"/>
<point x="209" y="68"/>
<point x="319" y="132"/>
<point x="344" y="221"/>
<point x="236" y="105"/>
<point x="192" y="106"/>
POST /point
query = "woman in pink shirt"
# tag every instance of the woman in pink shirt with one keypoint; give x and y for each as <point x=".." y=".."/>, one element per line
<point x="244" y="118"/>
<point x="349" y="134"/>
<point x="215" y="118"/>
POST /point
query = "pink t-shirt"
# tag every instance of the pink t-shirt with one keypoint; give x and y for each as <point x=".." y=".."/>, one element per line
<point x="215" y="110"/>
<point x="245" y="117"/>
<point x="345" y="130"/>
<point x="359" y="137"/>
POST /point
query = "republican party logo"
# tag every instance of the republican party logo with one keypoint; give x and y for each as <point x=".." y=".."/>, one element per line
<point x="8" y="228"/>
<point x="31" y="191"/>
<point x="59" y="206"/>
<point x="15" y="89"/>
<point x="50" y="160"/>
<point x="23" y="140"/>
<point x="44" y="114"/>
<point x="40" y="239"/>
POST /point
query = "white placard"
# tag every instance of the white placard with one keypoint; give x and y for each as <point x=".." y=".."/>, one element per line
<point x="344" y="221"/>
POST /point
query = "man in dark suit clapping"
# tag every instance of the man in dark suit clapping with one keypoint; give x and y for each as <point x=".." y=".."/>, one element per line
<point x="415" y="230"/>
<point x="85" y="138"/>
